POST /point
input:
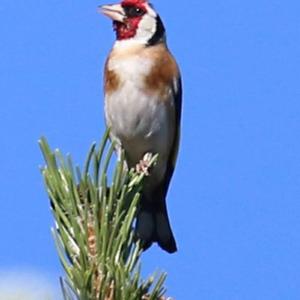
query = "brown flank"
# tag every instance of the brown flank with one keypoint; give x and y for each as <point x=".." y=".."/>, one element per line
<point x="111" y="80"/>
<point x="162" y="74"/>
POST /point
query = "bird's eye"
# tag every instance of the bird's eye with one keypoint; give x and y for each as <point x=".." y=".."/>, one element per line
<point x="132" y="11"/>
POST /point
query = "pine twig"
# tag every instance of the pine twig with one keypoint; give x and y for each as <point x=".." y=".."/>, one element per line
<point x="94" y="231"/>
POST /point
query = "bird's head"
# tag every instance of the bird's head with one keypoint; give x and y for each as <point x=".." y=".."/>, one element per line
<point x="135" y="20"/>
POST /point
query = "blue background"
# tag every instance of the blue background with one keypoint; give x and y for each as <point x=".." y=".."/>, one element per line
<point x="234" y="200"/>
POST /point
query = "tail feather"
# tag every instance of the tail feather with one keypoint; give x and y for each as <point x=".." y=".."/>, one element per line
<point x="145" y="228"/>
<point x="153" y="226"/>
<point x="164" y="234"/>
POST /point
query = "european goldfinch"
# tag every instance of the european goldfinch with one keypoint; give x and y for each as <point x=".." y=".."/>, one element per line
<point x="143" y="109"/>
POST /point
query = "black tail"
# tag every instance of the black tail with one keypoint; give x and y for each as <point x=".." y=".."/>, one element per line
<point x="153" y="226"/>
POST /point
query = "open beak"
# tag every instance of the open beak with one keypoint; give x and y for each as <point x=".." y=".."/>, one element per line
<point x="113" y="11"/>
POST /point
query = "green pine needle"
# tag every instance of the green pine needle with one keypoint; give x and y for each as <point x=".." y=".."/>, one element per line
<point x="94" y="232"/>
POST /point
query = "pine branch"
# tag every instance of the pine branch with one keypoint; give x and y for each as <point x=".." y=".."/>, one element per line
<point x="94" y="232"/>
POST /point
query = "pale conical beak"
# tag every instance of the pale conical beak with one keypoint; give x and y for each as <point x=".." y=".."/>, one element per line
<point x="114" y="11"/>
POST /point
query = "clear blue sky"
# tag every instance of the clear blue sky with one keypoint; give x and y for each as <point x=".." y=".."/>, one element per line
<point x="235" y="198"/>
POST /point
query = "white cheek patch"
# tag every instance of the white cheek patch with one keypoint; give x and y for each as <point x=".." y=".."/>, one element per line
<point x="147" y="27"/>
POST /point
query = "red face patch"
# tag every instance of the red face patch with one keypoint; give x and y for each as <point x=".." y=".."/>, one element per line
<point x="134" y="11"/>
<point x="126" y="30"/>
<point x="139" y="3"/>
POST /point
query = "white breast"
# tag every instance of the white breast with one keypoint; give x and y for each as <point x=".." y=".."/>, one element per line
<point x="137" y="119"/>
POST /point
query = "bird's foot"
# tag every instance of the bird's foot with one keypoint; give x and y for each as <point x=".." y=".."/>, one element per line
<point x="143" y="166"/>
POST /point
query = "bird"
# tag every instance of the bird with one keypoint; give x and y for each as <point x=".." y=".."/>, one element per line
<point x="142" y="105"/>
